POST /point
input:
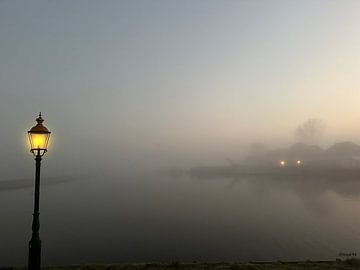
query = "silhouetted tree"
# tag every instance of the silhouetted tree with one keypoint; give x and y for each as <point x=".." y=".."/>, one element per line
<point x="310" y="131"/>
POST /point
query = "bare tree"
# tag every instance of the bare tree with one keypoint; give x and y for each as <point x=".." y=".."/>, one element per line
<point x="310" y="131"/>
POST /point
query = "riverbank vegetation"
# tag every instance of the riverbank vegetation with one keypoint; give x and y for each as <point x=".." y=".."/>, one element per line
<point x="309" y="265"/>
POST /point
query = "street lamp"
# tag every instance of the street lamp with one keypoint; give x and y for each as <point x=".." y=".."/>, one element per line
<point x="39" y="137"/>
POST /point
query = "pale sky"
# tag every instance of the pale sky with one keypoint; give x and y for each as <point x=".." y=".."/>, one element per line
<point x="129" y="81"/>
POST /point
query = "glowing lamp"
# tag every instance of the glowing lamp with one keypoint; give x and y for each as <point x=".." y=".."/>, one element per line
<point x="298" y="162"/>
<point x="39" y="137"/>
<point x="282" y="163"/>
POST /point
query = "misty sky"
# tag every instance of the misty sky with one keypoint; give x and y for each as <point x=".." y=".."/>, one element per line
<point x="128" y="83"/>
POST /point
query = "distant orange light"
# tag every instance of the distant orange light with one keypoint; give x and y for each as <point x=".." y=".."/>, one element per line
<point x="282" y="163"/>
<point x="298" y="162"/>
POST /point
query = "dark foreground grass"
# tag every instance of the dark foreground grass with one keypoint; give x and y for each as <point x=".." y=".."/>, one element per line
<point x="310" y="265"/>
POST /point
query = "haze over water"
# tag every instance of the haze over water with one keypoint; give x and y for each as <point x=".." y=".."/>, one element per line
<point x="156" y="218"/>
<point x="130" y="88"/>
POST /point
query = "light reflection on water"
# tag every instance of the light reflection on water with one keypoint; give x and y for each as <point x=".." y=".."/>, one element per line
<point x="157" y="218"/>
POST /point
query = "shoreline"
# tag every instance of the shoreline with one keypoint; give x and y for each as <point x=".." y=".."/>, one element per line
<point x="352" y="263"/>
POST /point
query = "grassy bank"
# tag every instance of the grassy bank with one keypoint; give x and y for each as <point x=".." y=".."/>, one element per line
<point x="310" y="265"/>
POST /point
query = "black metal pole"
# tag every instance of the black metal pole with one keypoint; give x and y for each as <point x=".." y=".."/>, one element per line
<point x="35" y="242"/>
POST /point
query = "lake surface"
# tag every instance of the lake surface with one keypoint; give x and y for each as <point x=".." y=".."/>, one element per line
<point x="162" y="218"/>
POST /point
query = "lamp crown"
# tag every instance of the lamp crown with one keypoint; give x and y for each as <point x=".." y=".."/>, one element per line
<point x="39" y="128"/>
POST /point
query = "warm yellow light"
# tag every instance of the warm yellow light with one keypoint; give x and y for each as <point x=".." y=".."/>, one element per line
<point x="298" y="162"/>
<point x="39" y="137"/>
<point x="282" y="163"/>
<point x="38" y="141"/>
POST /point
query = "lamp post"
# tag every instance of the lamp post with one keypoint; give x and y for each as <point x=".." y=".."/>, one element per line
<point x="39" y="137"/>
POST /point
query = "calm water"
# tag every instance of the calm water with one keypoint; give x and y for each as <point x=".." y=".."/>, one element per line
<point x="148" y="218"/>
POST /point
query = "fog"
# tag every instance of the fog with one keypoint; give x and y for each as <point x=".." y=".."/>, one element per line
<point x="127" y="84"/>
<point x="139" y="93"/>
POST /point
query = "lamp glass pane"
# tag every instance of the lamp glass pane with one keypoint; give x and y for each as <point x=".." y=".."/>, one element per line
<point x="38" y="140"/>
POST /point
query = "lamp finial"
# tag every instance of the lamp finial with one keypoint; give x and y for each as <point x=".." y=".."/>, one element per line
<point x="39" y="119"/>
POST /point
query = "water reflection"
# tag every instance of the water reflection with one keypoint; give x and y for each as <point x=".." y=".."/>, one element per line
<point x="310" y="190"/>
<point x="302" y="186"/>
<point x="154" y="217"/>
